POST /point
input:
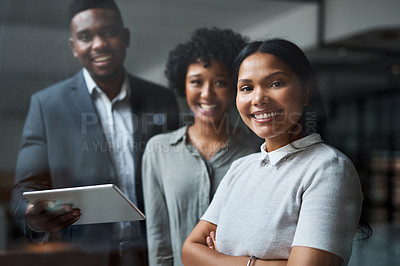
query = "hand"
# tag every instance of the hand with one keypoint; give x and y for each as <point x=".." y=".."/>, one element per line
<point x="46" y="216"/>
<point x="211" y="242"/>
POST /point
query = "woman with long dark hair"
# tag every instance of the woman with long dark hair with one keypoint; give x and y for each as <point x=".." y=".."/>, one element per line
<point x="297" y="202"/>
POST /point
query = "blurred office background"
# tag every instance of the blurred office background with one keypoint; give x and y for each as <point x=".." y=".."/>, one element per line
<point x="354" y="46"/>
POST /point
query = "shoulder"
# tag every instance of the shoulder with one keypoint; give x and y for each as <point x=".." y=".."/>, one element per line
<point x="239" y="169"/>
<point x="323" y="153"/>
<point x="165" y="139"/>
<point x="152" y="99"/>
<point x="162" y="138"/>
<point x="145" y="87"/>
<point x="61" y="88"/>
<point x="324" y="163"/>
<point x="245" y="161"/>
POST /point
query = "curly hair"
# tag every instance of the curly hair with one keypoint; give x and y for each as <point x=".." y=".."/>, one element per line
<point x="205" y="44"/>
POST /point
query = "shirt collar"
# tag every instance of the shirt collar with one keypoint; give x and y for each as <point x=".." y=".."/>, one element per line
<point x="289" y="149"/>
<point x="178" y="135"/>
<point x="92" y="86"/>
<point x="181" y="135"/>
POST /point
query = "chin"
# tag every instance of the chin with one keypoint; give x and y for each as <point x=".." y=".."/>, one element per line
<point x="211" y="120"/>
<point x="106" y="74"/>
<point x="265" y="134"/>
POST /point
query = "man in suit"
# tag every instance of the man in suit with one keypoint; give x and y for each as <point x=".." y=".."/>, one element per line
<point x="90" y="129"/>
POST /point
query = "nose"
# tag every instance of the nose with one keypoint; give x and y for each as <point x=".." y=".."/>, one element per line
<point x="99" y="43"/>
<point x="207" y="91"/>
<point x="260" y="97"/>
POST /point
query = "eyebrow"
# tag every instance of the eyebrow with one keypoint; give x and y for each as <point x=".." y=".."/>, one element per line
<point x="82" y="32"/>
<point x="267" y="77"/>
<point x="106" y="27"/>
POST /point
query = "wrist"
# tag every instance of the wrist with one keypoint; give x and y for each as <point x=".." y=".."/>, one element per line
<point x="251" y="260"/>
<point x="36" y="237"/>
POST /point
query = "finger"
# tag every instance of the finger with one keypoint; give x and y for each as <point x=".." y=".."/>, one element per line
<point x="49" y="207"/>
<point x="54" y="219"/>
<point x="65" y="217"/>
<point x="40" y="219"/>
<point x="38" y="207"/>
<point x="212" y="235"/>
<point x="209" y="242"/>
<point x="63" y="221"/>
<point x="213" y="239"/>
<point x="56" y="211"/>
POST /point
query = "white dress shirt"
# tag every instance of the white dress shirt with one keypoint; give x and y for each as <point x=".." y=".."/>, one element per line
<point x="115" y="117"/>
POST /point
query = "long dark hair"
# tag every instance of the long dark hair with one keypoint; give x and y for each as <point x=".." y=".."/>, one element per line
<point x="313" y="117"/>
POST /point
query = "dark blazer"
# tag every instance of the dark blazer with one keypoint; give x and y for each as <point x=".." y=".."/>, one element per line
<point x="63" y="145"/>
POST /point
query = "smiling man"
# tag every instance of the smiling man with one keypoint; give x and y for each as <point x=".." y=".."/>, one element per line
<point x="99" y="41"/>
<point x="91" y="129"/>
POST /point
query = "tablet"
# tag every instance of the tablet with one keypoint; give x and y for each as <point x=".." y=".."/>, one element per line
<point x="98" y="204"/>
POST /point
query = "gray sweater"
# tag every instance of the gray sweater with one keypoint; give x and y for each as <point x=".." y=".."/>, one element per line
<point x="303" y="194"/>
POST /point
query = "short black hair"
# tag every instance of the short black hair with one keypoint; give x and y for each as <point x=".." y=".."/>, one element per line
<point x="77" y="6"/>
<point x="205" y="44"/>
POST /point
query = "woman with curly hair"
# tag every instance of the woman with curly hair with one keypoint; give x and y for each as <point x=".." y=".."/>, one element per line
<point x="182" y="169"/>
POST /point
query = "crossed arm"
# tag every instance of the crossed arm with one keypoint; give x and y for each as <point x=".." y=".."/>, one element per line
<point x="196" y="252"/>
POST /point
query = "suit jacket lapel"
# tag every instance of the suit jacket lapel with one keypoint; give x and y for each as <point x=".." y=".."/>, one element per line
<point x="137" y="110"/>
<point x="85" y="108"/>
<point x="90" y="121"/>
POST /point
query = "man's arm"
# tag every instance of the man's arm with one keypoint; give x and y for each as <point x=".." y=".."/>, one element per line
<point x="32" y="173"/>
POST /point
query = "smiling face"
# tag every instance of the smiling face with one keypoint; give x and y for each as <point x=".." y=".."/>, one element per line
<point x="209" y="92"/>
<point x="99" y="41"/>
<point x="270" y="99"/>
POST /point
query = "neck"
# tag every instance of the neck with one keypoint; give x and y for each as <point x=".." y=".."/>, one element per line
<point x="111" y="86"/>
<point x="210" y="132"/>
<point x="207" y="138"/>
<point x="279" y="141"/>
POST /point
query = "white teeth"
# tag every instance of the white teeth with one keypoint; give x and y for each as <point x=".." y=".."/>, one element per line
<point x="207" y="107"/>
<point x="266" y="115"/>
<point x="102" y="58"/>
